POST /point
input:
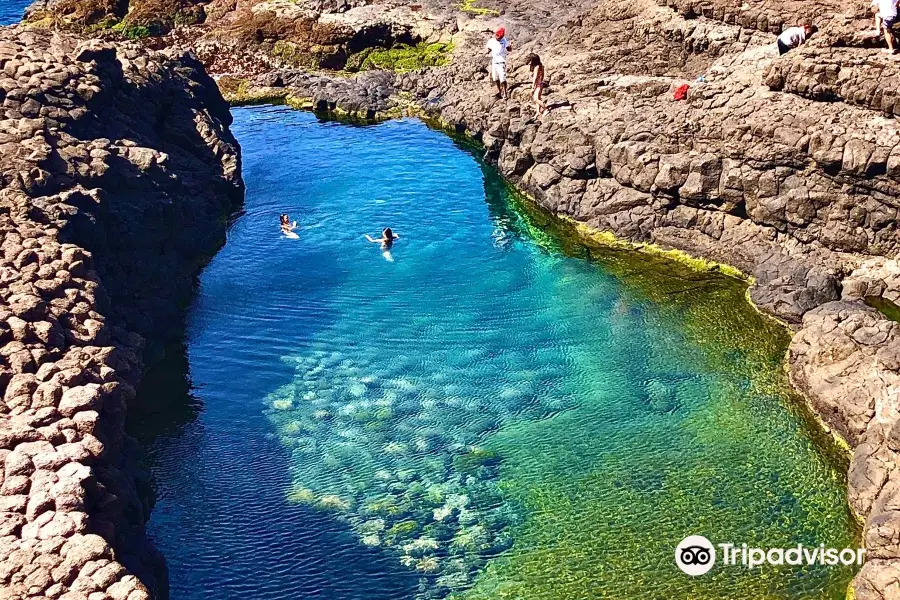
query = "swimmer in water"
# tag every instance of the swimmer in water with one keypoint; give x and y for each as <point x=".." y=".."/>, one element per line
<point x="386" y="241"/>
<point x="286" y="225"/>
<point x="387" y="238"/>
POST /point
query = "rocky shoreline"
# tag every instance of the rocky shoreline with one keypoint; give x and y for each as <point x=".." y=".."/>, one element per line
<point x="117" y="172"/>
<point x="785" y="167"/>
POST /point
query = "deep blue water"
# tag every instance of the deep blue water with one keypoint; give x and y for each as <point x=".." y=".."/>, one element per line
<point x="488" y="414"/>
<point x="11" y="11"/>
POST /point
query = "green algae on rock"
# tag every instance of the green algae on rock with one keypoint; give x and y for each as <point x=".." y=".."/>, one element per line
<point x="304" y="55"/>
<point x="402" y="58"/>
<point x="884" y="306"/>
<point x="471" y="7"/>
<point x="238" y="91"/>
<point x="130" y="31"/>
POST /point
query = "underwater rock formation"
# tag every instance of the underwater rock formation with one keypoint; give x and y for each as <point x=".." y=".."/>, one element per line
<point x="117" y="170"/>
<point x="430" y="492"/>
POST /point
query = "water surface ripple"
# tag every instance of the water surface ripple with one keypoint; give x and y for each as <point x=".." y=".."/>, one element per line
<point x="499" y="412"/>
<point x="11" y="11"/>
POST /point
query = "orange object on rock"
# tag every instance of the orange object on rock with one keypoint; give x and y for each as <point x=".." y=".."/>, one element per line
<point x="681" y="91"/>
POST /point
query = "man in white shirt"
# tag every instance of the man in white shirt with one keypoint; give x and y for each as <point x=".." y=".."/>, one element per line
<point x="498" y="47"/>
<point x="887" y="13"/>
<point x="792" y="37"/>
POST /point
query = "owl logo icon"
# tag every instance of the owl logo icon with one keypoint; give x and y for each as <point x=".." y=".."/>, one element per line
<point x="695" y="555"/>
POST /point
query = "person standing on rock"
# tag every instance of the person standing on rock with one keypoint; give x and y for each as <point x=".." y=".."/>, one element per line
<point x="887" y="14"/>
<point x="877" y="10"/>
<point x="537" y="84"/>
<point x="498" y="47"/>
<point x="793" y="37"/>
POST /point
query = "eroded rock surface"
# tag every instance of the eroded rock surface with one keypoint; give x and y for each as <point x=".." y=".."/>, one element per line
<point x="847" y="360"/>
<point x="117" y="170"/>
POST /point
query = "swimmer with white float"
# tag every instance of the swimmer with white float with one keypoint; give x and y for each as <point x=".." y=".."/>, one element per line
<point x="287" y="227"/>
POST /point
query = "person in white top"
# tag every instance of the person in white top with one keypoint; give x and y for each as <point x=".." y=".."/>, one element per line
<point x="498" y="47"/>
<point x="792" y="37"/>
<point x="887" y="15"/>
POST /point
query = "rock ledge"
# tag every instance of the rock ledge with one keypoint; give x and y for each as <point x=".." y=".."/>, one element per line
<point x="117" y="170"/>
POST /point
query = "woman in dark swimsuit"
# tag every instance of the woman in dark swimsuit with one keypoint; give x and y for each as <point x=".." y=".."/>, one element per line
<point x="386" y="240"/>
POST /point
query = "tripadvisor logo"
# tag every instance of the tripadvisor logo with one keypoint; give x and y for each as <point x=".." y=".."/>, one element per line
<point x="696" y="555"/>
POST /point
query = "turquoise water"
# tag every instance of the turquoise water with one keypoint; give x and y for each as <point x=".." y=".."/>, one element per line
<point x="496" y="412"/>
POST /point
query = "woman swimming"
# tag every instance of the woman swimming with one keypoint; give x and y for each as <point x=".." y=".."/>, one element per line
<point x="386" y="240"/>
<point x="286" y="225"/>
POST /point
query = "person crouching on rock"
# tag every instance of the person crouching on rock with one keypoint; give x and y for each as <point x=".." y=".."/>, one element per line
<point x="792" y="37"/>
<point x="498" y="47"/>
<point x="386" y="240"/>
<point x="537" y="83"/>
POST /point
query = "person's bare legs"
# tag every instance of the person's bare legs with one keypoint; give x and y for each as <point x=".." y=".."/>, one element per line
<point x="539" y="104"/>
<point x="877" y="23"/>
<point x="504" y="91"/>
<point x="889" y="38"/>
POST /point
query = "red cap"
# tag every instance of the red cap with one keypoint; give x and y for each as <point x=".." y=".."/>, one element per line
<point x="501" y="32"/>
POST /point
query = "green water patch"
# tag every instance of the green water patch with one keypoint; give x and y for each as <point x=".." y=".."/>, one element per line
<point x="884" y="306"/>
<point x="536" y="415"/>
<point x="608" y="531"/>
<point x="597" y="528"/>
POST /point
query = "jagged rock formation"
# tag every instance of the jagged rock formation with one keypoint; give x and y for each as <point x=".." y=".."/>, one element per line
<point x="117" y="171"/>
<point x="130" y="18"/>
<point x="787" y="167"/>
<point x="365" y="94"/>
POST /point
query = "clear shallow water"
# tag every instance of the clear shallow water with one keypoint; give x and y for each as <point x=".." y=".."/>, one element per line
<point x="491" y="415"/>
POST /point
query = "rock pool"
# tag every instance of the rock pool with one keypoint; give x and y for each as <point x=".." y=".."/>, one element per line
<point x="500" y="412"/>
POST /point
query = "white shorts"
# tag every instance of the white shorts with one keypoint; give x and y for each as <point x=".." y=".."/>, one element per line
<point x="498" y="72"/>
